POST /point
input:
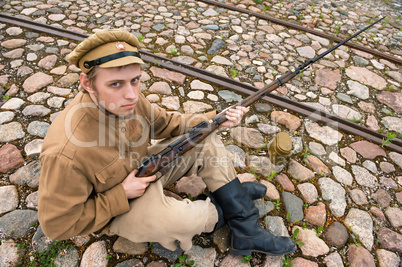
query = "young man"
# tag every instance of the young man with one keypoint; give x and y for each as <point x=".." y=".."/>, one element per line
<point x="92" y="150"/>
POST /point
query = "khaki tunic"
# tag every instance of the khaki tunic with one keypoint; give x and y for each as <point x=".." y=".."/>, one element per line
<point x="87" y="154"/>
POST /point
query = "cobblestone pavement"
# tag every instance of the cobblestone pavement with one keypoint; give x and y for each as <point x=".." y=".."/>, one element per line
<point x="338" y="195"/>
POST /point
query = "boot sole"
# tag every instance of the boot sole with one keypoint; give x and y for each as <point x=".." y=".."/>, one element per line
<point x="248" y="252"/>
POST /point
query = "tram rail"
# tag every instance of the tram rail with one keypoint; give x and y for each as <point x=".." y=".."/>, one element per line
<point x="305" y="29"/>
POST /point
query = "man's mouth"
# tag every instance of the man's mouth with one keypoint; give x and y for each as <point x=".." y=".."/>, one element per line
<point x="129" y="106"/>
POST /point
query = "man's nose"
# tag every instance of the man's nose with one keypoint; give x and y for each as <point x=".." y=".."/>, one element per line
<point x="130" y="92"/>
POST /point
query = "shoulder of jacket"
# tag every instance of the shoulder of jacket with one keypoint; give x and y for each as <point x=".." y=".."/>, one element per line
<point x="68" y="152"/>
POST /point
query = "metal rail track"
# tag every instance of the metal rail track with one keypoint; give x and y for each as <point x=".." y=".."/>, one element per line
<point x="305" y="29"/>
<point x="226" y="82"/>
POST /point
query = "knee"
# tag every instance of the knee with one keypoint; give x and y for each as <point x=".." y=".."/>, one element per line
<point x="213" y="144"/>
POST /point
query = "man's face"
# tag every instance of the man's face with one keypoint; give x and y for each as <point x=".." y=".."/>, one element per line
<point x="117" y="89"/>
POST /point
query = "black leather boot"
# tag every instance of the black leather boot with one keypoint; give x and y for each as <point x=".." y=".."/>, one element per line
<point x="254" y="190"/>
<point x="247" y="235"/>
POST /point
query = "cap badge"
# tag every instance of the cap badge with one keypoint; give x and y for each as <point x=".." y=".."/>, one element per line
<point x="120" y="46"/>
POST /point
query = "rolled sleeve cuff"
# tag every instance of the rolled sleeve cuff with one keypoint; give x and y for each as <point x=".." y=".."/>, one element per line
<point x="211" y="114"/>
<point x="118" y="200"/>
<point x="198" y="118"/>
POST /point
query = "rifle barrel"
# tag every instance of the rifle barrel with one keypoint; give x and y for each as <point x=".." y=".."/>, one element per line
<point x="345" y="41"/>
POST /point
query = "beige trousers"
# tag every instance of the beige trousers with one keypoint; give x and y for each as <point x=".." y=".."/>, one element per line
<point x="155" y="217"/>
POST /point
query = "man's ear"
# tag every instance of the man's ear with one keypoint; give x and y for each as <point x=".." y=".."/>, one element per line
<point x="85" y="83"/>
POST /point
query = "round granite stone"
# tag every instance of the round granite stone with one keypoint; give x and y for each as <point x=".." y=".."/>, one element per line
<point x="337" y="234"/>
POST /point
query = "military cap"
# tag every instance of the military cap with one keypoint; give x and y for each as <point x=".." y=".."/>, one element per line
<point x="106" y="49"/>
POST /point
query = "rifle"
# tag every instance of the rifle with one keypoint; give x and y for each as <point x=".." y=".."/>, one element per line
<point x="161" y="162"/>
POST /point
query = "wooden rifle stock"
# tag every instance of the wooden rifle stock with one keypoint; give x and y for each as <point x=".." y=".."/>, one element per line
<point x="161" y="162"/>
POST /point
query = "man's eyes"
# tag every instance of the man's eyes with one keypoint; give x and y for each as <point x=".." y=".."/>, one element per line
<point x="119" y="84"/>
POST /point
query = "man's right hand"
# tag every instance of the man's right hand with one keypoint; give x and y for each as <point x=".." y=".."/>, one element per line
<point x="135" y="186"/>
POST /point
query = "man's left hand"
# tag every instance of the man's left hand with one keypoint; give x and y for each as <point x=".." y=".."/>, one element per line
<point x="234" y="116"/>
